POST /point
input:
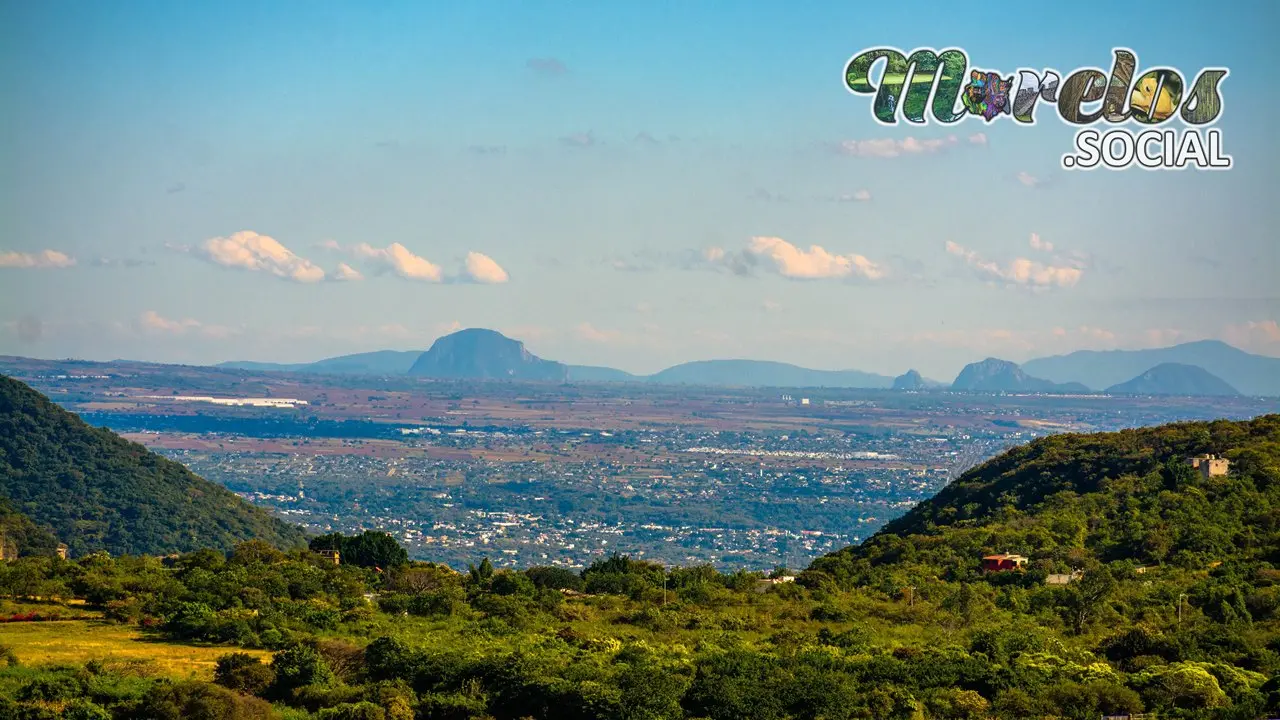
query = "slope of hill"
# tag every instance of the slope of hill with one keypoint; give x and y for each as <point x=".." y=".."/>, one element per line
<point x="595" y="373"/>
<point x="995" y="375"/>
<point x="1174" y="379"/>
<point x="1066" y="499"/>
<point x="484" y="354"/>
<point x="20" y="536"/>
<point x="98" y="491"/>
<point x="760" y="373"/>
<point x="1248" y="373"/>
<point x="379" y="362"/>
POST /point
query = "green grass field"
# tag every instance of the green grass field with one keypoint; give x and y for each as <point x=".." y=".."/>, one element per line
<point x="75" y="642"/>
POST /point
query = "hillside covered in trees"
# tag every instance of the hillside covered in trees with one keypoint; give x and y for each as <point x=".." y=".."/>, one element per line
<point x="1064" y="500"/>
<point x="97" y="491"/>
<point x="1149" y="588"/>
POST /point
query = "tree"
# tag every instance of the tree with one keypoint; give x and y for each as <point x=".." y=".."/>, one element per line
<point x="554" y="578"/>
<point x="370" y="549"/>
<point x="1086" y="597"/>
<point x="244" y="673"/>
<point x="422" y="578"/>
<point x="193" y="700"/>
<point x="353" y="711"/>
<point x="480" y="575"/>
<point x="300" y="666"/>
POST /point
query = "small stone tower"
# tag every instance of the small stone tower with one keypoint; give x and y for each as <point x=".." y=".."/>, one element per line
<point x="1210" y="465"/>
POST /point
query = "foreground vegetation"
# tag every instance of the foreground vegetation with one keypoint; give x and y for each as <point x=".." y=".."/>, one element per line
<point x="1173" y="608"/>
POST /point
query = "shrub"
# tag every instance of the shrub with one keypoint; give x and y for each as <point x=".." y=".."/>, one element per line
<point x="193" y="699"/>
<point x="244" y="673"/>
<point x="353" y="711"/>
<point x="298" y="666"/>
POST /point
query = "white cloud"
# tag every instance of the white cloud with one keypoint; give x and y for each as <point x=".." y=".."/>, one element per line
<point x="582" y="140"/>
<point x="1262" y="335"/>
<point x="1021" y="272"/>
<point x="1157" y="337"/>
<point x="398" y="259"/>
<point x="1038" y="244"/>
<point x="42" y="259"/>
<point x="647" y="335"/>
<point x="1093" y="335"/>
<point x="978" y="139"/>
<point x="889" y="147"/>
<point x="590" y="333"/>
<point x="482" y="269"/>
<point x="153" y="322"/>
<point x="1028" y="179"/>
<point x="1000" y="341"/>
<point x="814" y="263"/>
<point x="856" y="196"/>
<point x="249" y="250"/>
<point x="346" y="272"/>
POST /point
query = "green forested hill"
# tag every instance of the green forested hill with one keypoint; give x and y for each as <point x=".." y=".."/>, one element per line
<point x="1064" y="500"/>
<point x="97" y="491"/>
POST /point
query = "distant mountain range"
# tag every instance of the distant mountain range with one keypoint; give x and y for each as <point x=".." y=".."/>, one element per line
<point x="379" y="362"/>
<point x="762" y="373"/>
<point x="1248" y="373"/>
<point x="995" y="375"/>
<point x="487" y="354"/>
<point x="1174" y="379"/>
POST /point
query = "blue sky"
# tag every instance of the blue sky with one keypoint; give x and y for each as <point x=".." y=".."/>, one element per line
<point x="580" y="178"/>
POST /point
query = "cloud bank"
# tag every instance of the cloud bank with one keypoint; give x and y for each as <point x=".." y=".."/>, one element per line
<point x="154" y="323"/>
<point x="891" y="147"/>
<point x="400" y="260"/>
<point x="1023" y="272"/>
<point x="482" y="269"/>
<point x="248" y="250"/>
<point x="815" y="263"/>
<point x="42" y="259"/>
<point x="397" y="259"/>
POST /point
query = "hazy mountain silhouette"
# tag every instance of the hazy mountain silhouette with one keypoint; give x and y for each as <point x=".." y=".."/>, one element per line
<point x="762" y="373"/>
<point x="379" y="362"/>
<point x="995" y="375"/>
<point x="1250" y="374"/>
<point x="1174" y="379"/>
<point x="484" y="354"/>
<point x="913" y="380"/>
